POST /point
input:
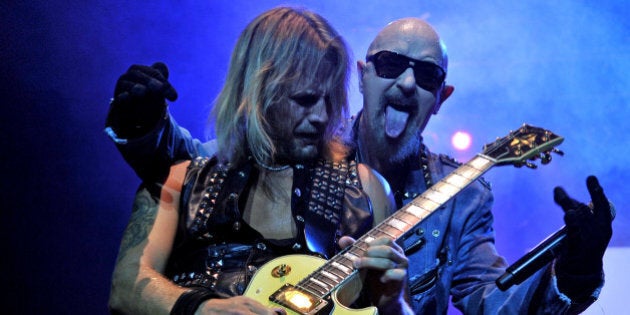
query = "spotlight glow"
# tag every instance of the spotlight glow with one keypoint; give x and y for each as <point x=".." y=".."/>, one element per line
<point x="461" y="140"/>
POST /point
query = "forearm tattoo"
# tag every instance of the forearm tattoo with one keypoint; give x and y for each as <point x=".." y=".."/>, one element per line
<point x="145" y="208"/>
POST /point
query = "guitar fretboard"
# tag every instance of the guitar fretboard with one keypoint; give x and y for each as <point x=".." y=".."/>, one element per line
<point x="328" y="277"/>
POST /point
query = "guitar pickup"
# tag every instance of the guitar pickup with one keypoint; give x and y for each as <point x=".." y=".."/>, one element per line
<point x="298" y="300"/>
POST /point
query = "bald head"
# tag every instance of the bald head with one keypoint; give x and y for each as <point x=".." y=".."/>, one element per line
<point x="412" y="37"/>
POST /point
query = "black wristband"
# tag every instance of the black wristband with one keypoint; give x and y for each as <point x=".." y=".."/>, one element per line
<point x="189" y="301"/>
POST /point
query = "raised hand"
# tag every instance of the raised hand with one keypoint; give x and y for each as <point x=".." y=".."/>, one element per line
<point x="589" y="229"/>
<point x="139" y="99"/>
<point x="144" y="82"/>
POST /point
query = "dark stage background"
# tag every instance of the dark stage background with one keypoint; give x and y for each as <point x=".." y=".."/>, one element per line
<point x="67" y="193"/>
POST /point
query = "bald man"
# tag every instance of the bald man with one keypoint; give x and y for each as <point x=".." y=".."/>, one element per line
<point x="403" y="85"/>
<point x="452" y="252"/>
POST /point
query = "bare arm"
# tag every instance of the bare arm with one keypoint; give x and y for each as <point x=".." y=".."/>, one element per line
<point x="377" y="188"/>
<point x="138" y="285"/>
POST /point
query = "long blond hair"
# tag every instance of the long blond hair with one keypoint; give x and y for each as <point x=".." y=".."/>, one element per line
<point x="279" y="47"/>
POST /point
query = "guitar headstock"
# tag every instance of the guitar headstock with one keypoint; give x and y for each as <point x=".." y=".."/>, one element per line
<point x="521" y="146"/>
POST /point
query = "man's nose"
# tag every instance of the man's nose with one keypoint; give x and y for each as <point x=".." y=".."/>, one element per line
<point x="319" y="111"/>
<point x="406" y="81"/>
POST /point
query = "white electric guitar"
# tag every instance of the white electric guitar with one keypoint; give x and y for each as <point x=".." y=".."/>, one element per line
<point x="303" y="284"/>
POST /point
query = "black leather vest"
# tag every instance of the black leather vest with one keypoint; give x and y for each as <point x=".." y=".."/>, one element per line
<point x="216" y="249"/>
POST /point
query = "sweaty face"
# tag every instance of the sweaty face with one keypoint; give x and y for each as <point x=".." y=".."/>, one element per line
<point x="397" y="109"/>
<point x="298" y="124"/>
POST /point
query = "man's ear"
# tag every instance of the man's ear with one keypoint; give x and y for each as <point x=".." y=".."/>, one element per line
<point x="360" y="66"/>
<point x="446" y="91"/>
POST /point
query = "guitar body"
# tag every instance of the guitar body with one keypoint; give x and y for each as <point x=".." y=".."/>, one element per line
<point x="268" y="280"/>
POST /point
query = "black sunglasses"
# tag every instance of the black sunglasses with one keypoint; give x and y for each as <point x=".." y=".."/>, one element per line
<point x="390" y="65"/>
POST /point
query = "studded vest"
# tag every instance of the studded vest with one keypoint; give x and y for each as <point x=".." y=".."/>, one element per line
<point x="217" y="249"/>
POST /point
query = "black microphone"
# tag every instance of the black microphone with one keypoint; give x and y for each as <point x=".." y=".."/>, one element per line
<point x="535" y="259"/>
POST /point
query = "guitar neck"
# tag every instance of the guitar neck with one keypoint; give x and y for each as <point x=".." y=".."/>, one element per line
<point x="431" y="200"/>
<point x="328" y="277"/>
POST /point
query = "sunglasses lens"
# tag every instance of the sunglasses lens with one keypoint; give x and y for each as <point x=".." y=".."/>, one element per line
<point x="428" y="75"/>
<point x="390" y="65"/>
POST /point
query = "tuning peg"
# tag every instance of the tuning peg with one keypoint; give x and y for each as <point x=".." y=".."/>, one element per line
<point x="531" y="165"/>
<point x="557" y="151"/>
<point x="545" y="158"/>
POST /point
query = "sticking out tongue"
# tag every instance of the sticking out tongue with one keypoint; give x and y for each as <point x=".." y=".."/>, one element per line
<point x="395" y="122"/>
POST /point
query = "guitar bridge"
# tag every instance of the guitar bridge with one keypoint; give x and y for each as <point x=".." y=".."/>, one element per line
<point x="298" y="300"/>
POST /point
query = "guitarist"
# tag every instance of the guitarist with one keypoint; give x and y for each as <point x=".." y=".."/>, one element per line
<point x="279" y="184"/>
<point x="452" y="253"/>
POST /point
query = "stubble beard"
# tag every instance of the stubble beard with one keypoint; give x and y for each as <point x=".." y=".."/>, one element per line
<point x="403" y="149"/>
<point x="392" y="152"/>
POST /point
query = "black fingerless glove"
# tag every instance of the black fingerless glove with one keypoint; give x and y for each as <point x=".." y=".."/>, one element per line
<point x="579" y="267"/>
<point x="139" y="100"/>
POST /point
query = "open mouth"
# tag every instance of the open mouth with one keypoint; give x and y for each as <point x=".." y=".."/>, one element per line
<point x="396" y="118"/>
<point x="309" y="138"/>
